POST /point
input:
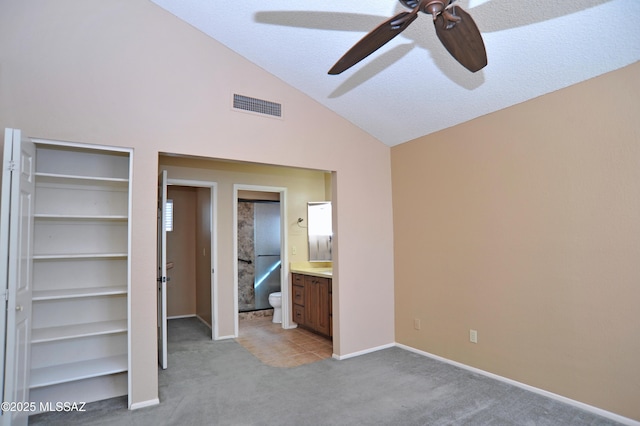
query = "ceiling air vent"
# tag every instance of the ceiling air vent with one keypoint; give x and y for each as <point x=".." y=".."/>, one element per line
<point x="245" y="103"/>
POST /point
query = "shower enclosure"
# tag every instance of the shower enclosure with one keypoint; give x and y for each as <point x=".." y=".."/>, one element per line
<point x="258" y="253"/>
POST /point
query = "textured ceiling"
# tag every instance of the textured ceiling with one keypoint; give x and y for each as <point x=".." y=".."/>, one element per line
<point x="412" y="87"/>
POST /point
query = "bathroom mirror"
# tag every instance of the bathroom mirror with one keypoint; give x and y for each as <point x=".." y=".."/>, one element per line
<point x="320" y="231"/>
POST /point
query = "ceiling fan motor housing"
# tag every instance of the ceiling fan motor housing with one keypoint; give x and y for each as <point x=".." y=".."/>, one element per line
<point x="432" y="7"/>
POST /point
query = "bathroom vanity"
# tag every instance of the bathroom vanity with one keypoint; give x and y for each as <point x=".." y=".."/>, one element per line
<point x="311" y="300"/>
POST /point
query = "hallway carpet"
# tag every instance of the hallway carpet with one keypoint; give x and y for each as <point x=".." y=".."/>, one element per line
<point x="221" y="383"/>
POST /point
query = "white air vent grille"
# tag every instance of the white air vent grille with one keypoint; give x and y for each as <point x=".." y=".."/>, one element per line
<point x="259" y="106"/>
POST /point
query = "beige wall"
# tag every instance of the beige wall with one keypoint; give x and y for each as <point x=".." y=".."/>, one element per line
<point x="203" y="255"/>
<point x="524" y="225"/>
<point x="189" y="253"/>
<point x="181" y="252"/>
<point x="126" y="73"/>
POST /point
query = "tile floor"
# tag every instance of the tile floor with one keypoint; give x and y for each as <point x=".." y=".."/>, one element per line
<point x="277" y="347"/>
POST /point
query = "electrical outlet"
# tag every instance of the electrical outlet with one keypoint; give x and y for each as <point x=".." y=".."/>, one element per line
<point x="416" y="323"/>
<point x="473" y="336"/>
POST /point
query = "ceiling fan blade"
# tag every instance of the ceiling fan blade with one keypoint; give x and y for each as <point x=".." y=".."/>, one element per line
<point x="462" y="38"/>
<point x="374" y="40"/>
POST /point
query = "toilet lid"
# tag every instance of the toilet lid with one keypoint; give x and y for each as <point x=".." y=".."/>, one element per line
<point x="276" y="294"/>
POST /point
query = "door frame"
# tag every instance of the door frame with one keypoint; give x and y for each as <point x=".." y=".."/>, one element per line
<point x="213" y="223"/>
<point x="284" y="255"/>
<point x="162" y="269"/>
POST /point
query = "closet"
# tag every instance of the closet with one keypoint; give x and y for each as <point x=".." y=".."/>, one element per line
<point x="79" y="259"/>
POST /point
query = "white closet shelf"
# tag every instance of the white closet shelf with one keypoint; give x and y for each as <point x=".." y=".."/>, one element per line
<point x="44" y="216"/>
<point x="58" y="177"/>
<point x="79" y="256"/>
<point x="62" y="373"/>
<point x="73" y="293"/>
<point x="49" y="334"/>
<point x="80" y="274"/>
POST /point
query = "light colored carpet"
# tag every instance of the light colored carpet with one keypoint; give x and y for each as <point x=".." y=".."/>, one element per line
<point x="221" y="383"/>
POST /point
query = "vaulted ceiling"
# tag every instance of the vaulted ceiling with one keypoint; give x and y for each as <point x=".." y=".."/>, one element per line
<point x="412" y="86"/>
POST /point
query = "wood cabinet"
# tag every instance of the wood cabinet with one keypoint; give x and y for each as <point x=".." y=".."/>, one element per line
<point x="311" y="303"/>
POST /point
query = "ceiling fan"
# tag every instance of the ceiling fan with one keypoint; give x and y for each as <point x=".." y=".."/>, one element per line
<point x="454" y="27"/>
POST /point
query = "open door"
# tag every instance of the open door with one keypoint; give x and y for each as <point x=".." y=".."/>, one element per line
<point x="16" y="258"/>
<point x="162" y="269"/>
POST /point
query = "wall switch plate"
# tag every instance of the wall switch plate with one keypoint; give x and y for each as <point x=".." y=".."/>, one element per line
<point x="294" y="250"/>
<point x="473" y="336"/>
<point x="416" y="323"/>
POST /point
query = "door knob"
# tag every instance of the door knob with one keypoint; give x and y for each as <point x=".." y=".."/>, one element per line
<point x="19" y="308"/>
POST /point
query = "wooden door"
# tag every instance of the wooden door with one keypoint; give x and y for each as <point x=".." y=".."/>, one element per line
<point x="323" y="324"/>
<point x="310" y="302"/>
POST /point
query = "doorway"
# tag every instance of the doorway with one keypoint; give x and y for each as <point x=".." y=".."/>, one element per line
<point x="260" y="264"/>
<point x="188" y="256"/>
<point x="190" y="252"/>
<point x="259" y="256"/>
<point x="302" y="185"/>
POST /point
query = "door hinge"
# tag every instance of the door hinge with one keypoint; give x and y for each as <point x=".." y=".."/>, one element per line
<point x="12" y="165"/>
<point x="6" y="294"/>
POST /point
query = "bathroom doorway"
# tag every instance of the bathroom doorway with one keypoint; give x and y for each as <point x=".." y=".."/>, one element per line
<point x="260" y="241"/>
<point x="259" y="257"/>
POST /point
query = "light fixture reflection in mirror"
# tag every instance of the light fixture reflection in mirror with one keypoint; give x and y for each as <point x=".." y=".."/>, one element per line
<point x="320" y="231"/>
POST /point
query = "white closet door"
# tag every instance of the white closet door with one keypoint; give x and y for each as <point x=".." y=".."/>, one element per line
<point x="162" y="269"/>
<point x="5" y="200"/>
<point x="17" y="223"/>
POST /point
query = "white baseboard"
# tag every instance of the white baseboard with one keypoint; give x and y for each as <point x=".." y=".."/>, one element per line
<point x="364" y="352"/>
<point x="203" y="321"/>
<point x="231" y="336"/>
<point x="181" y="316"/>
<point x="590" y="408"/>
<point x="143" y="404"/>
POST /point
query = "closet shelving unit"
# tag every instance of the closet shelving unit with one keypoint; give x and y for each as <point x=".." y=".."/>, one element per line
<point x="80" y="277"/>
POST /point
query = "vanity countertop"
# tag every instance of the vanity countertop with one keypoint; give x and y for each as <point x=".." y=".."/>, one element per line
<point x="321" y="270"/>
<point x="316" y="272"/>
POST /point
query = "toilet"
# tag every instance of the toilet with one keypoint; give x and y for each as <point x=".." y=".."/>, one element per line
<point x="275" y="300"/>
